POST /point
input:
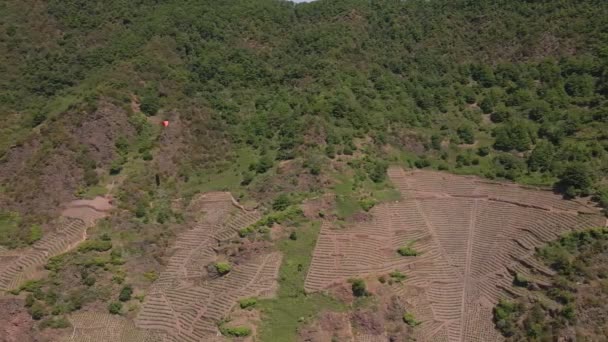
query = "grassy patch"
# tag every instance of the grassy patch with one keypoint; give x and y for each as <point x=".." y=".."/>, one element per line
<point x="291" y="307"/>
<point x="222" y="179"/>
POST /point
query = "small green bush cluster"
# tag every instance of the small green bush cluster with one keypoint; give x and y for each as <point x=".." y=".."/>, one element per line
<point x="410" y="320"/>
<point x="358" y="287"/>
<point x="407" y="250"/>
<point x="223" y="268"/>
<point x="248" y="302"/>
<point x="235" y="331"/>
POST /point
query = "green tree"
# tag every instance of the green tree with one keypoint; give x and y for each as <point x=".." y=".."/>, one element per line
<point x="541" y="157"/>
<point x="150" y="104"/>
<point x="576" y="179"/>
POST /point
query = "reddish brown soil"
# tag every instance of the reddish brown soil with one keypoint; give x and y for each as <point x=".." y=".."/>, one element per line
<point x="15" y="323"/>
<point x="44" y="171"/>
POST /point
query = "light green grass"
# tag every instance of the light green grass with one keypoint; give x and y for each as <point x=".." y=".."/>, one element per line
<point x="223" y="179"/>
<point x="283" y="315"/>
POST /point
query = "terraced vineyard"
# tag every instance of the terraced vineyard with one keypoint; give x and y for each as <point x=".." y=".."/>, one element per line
<point x="17" y="266"/>
<point x="181" y="307"/>
<point x="471" y="236"/>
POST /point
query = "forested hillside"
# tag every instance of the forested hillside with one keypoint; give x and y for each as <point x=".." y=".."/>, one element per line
<point x="510" y="89"/>
<point x="278" y="102"/>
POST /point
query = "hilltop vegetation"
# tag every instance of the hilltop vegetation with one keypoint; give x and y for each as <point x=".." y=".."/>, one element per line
<point x="514" y="90"/>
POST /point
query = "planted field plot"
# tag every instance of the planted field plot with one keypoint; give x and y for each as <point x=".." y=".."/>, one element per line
<point x="470" y="237"/>
<point x="181" y="307"/>
<point x="17" y="266"/>
<point x="93" y="327"/>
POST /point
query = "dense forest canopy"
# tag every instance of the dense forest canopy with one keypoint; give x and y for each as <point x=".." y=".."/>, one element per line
<point x="536" y="69"/>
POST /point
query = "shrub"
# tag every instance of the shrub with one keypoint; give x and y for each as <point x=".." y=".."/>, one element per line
<point x="410" y="320"/>
<point x="150" y="104"/>
<point x="407" y="250"/>
<point x="358" y="287"/>
<point x="398" y="276"/>
<point x="115" y="308"/>
<point x="236" y="331"/>
<point x="95" y="245"/>
<point x="367" y="203"/>
<point x="520" y="280"/>
<point x="281" y="202"/>
<point x="293" y="236"/>
<point x="125" y="293"/>
<point x="223" y="268"/>
<point x="248" y="302"/>
<point x="89" y="281"/>
<point x="37" y="311"/>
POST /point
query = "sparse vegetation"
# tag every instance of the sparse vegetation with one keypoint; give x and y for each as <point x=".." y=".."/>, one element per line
<point x="410" y="320"/>
<point x="407" y="250"/>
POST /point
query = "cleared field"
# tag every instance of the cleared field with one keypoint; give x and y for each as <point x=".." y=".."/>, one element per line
<point x="181" y="307"/>
<point x="471" y="236"/>
<point x="93" y="326"/>
<point x="17" y="266"/>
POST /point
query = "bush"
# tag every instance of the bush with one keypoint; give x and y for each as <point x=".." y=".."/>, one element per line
<point x="281" y="202"/>
<point x="115" y="308"/>
<point x="407" y="250"/>
<point x="398" y="276"/>
<point x="125" y="293"/>
<point x="248" y="302"/>
<point x="358" y="287"/>
<point x="37" y="311"/>
<point x="576" y="179"/>
<point x="236" y="331"/>
<point x="150" y="104"/>
<point x="223" y="268"/>
<point x="410" y="320"/>
<point x="95" y="245"/>
<point x="293" y="236"/>
<point x="466" y="134"/>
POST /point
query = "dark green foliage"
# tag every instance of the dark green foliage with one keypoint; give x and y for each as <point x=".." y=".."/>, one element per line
<point x="293" y="236"/>
<point x="115" y="308"/>
<point x="248" y="302"/>
<point x="150" y="103"/>
<point x="576" y="179"/>
<point x="235" y="331"/>
<point x="125" y="293"/>
<point x="541" y="157"/>
<point x="466" y="134"/>
<point x="506" y="314"/>
<point x="512" y="136"/>
<point x="358" y="287"/>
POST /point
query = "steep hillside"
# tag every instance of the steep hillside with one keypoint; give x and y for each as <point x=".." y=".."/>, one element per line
<point x="295" y="110"/>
